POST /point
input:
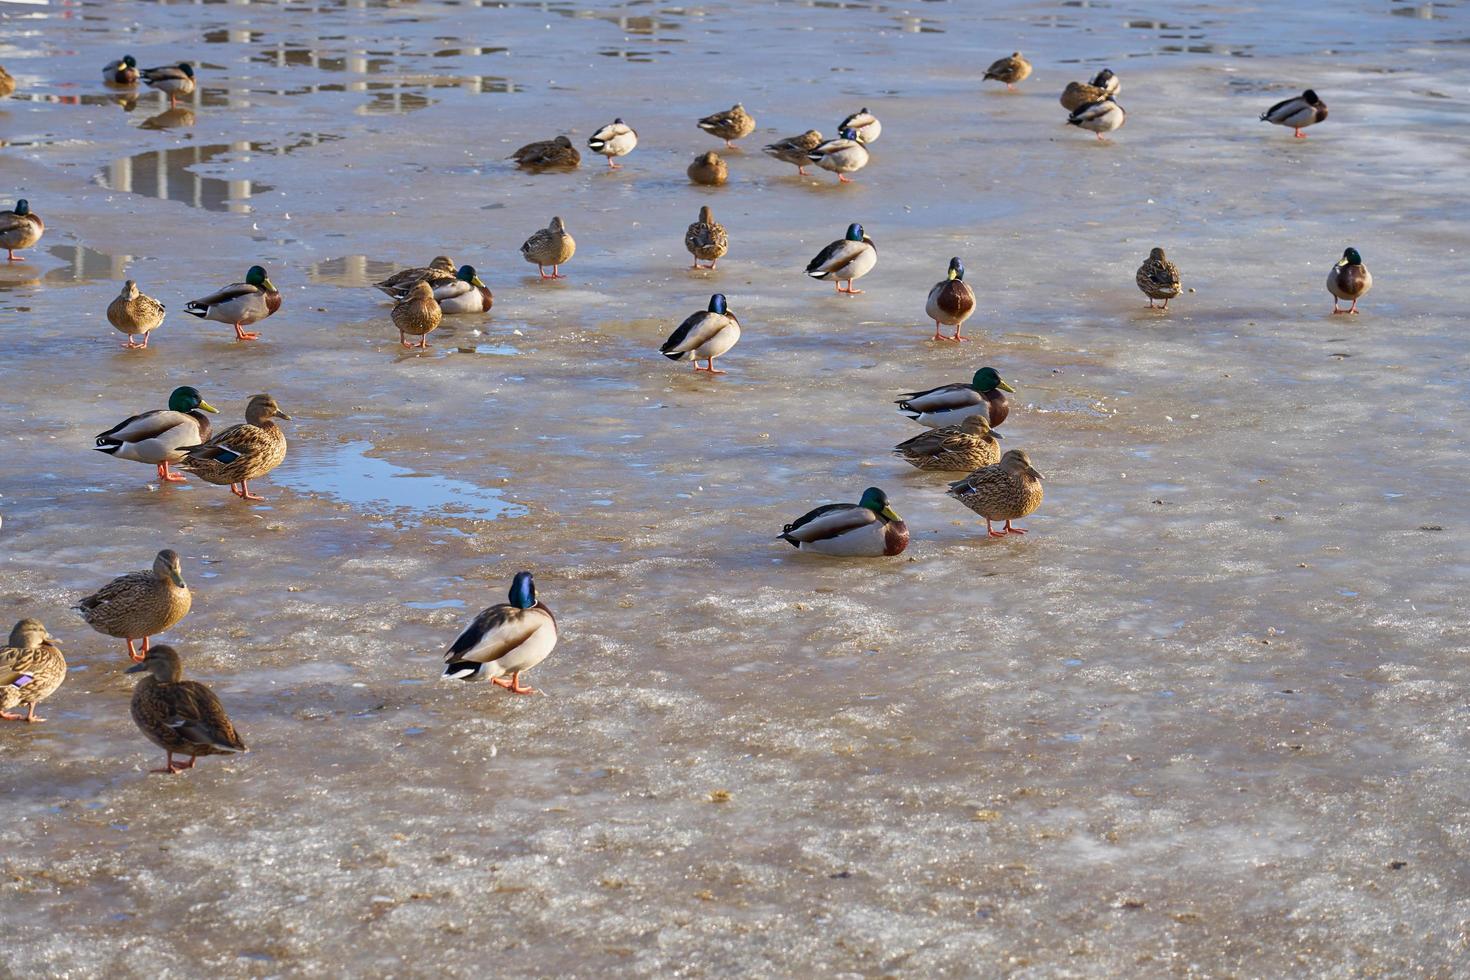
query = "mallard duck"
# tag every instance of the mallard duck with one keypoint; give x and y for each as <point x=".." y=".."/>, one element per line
<point x="134" y="312"/>
<point x="7" y="83"/>
<point x="706" y="239"/>
<point x="864" y="124"/>
<point x="551" y="154"/>
<point x="1158" y="278"/>
<point x="949" y="404"/>
<point x="123" y="71"/>
<point x="20" y="228"/>
<point x="550" y="246"/>
<point x="616" y="139"/>
<point x="866" y="529"/>
<point x="418" y="314"/>
<point x="795" y="149"/>
<point x="709" y="169"/>
<point x="1078" y="94"/>
<point x="465" y="293"/>
<point x="1009" y="70"/>
<point x="951" y="301"/>
<point x="850" y="257"/>
<point x="243" y="452"/>
<point x="31" y="668"/>
<point x="139" y="604"/>
<point x="160" y="436"/>
<point x="967" y="446"/>
<point x="1006" y="491"/>
<point x="1099" y="117"/>
<point x="239" y="303"/>
<point x="173" y="80"/>
<point x="508" y="638"/>
<point x="1349" y="279"/>
<point x="181" y="717"/>
<point x="1298" y="113"/>
<point x="707" y="334"/>
<point x="732" y="124"/>
<point x="437" y="272"/>
<point x="842" y="156"/>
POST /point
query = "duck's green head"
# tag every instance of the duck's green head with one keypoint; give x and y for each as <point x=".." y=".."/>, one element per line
<point x="717" y="304"/>
<point x="257" y="277"/>
<point x="186" y="399"/>
<point x="523" y="591"/>
<point x="129" y="61"/>
<point x="186" y="68"/>
<point x="988" y="379"/>
<point x="876" y="501"/>
<point x="1350" y="256"/>
<point x="854" y="231"/>
<point x="956" y="269"/>
<point x="467" y="274"/>
<point x="22" y="207"/>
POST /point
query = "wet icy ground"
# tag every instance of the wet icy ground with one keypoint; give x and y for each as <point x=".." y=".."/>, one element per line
<point x="1208" y="718"/>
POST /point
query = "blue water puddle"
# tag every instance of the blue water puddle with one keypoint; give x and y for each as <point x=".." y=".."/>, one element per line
<point x="347" y="473"/>
<point x="441" y="604"/>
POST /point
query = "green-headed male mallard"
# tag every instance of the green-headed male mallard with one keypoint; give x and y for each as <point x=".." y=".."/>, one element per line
<point x="31" y="668"/>
<point x="181" y="717"/>
<point x="732" y="124"/>
<point x="160" y="437"/>
<point x="1158" y="278"/>
<point x="465" y="293"/>
<point x="439" y="271"/>
<point x="709" y="169"/>
<point x="509" y="638"/>
<point x="1078" y="94"/>
<point x="948" y="404"/>
<point x="172" y="80"/>
<point x="1005" y="491"/>
<point x="706" y="239"/>
<point x="951" y="301"/>
<point x="795" y="149"/>
<point x="123" y="71"/>
<point x="706" y="334"/>
<point x="1297" y="113"/>
<point x="550" y="246"/>
<point x="134" y="312"/>
<point x="967" y="446"/>
<point x="850" y="257"/>
<point x="242" y="452"/>
<point x="1349" y="279"/>
<point x="864" y="124"/>
<point x="418" y="314"/>
<point x="20" y="227"/>
<point x="867" y="529"/>
<point x="1009" y="70"/>
<point x="240" y="303"/>
<point x="1099" y="117"/>
<point x="842" y="156"/>
<point x="616" y="139"/>
<point x="140" y="604"/>
<point x="553" y="154"/>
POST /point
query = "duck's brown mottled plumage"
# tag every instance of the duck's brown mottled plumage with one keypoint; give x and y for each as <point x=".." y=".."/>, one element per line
<point x="1009" y="70"/>
<point x="556" y="153"/>
<point x="709" y="169"/>
<point x="7" y="83"/>
<point x="967" y="446"/>
<point x="140" y="604"/>
<point x="31" y="668"/>
<point x="796" y="149"/>
<point x="1158" y="278"/>
<point x="181" y="717"/>
<point x="438" y="272"/>
<point x="243" y="452"/>
<point x="419" y="315"/>
<point x="732" y="124"/>
<point x="706" y="239"/>
<point x="134" y="312"/>
<point x="551" y="246"/>
<point x="1005" y="491"/>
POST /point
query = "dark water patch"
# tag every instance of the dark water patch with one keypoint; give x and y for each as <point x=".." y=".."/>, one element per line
<point x="170" y="174"/>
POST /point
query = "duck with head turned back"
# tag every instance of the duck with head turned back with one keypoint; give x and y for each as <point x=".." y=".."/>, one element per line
<point x="123" y="71"/>
<point x="706" y="239"/>
<point x="1099" y="117"/>
<point x="553" y="154"/>
<point x="31" y="669"/>
<point x="850" y="257"/>
<point x="616" y="139"/>
<point x="869" y="528"/>
<point x="242" y="452"/>
<point x="967" y="446"/>
<point x="795" y="149"/>
<point x="949" y="404"/>
<point x="951" y="301"/>
<point x="732" y="124"/>
<point x="865" y="126"/>
<point x="1006" y="491"/>
<point x="1078" y="94"/>
<point x="1298" y="113"/>
<point x="439" y="271"/>
<point x="551" y="246"/>
<point x="1349" y="279"/>
<point x="843" y="155"/>
<point x="181" y="717"/>
<point x="160" y="437"/>
<point x="709" y="169"/>
<point x="1009" y="70"/>
<point x="140" y="604"/>
<point x="240" y="303"/>
<point x="509" y="638"/>
<point x="1158" y="278"/>
<point x="20" y="227"/>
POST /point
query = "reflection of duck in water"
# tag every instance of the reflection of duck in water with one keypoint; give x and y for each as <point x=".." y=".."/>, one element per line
<point x="167" y="119"/>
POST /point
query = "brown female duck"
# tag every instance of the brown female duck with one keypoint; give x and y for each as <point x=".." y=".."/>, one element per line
<point x="140" y="604"/>
<point x="1007" y="491"/>
<point x="181" y="717"/>
<point x="31" y="668"/>
<point x="243" y="452"/>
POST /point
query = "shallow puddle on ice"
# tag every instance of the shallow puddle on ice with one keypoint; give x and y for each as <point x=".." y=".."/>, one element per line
<point x="170" y="174"/>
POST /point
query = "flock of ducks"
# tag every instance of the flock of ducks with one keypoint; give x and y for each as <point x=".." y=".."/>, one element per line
<point x="503" y="642"/>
